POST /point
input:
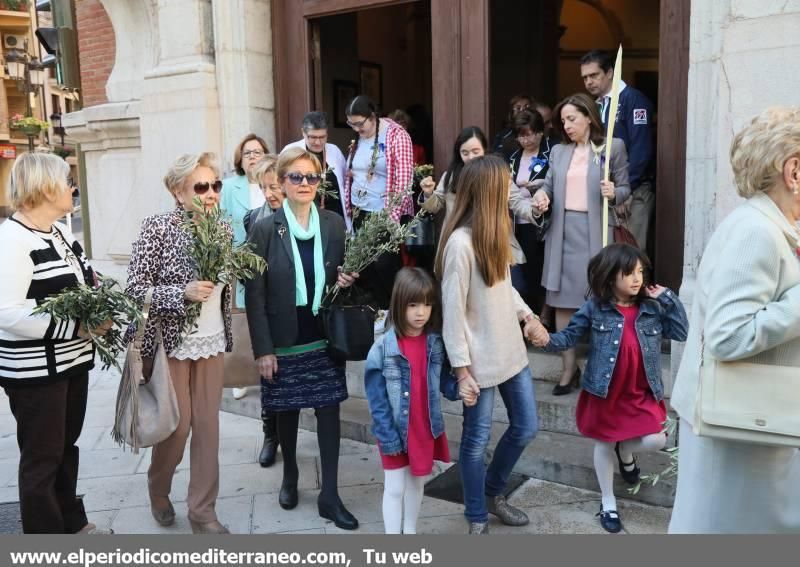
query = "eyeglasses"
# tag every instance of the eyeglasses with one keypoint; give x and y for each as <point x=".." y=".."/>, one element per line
<point x="529" y="136"/>
<point x="297" y="178"/>
<point x="317" y="138"/>
<point x="253" y="153"/>
<point x="201" y="188"/>
<point x="357" y="124"/>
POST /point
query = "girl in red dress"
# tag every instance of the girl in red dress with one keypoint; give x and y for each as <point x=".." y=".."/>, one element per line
<point x="405" y="371"/>
<point x="621" y="404"/>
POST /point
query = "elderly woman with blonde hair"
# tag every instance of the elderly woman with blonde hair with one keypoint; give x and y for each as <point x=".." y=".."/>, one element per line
<point x="160" y="261"/>
<point x="746" y="308"/>
<point x="46" y="363"/>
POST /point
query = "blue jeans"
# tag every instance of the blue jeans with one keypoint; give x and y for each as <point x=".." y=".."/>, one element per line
<point x="478" y="481"/>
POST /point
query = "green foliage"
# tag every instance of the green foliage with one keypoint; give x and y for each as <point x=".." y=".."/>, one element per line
<point x="422" y="171"/>
<point x="379" y="234"/>
<point x="93" y="306"/>
<point x="324" y="188"/>
<point x="216" y="258"/>
<point x="670" y="426"/>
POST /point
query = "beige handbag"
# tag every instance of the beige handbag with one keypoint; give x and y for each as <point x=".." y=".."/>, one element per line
<point x="750" y="403"/>
<point x="240" y="367"/>
<point x="147" y="408"/>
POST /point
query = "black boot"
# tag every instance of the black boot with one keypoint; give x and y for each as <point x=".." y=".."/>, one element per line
<point x="270" y="449"/>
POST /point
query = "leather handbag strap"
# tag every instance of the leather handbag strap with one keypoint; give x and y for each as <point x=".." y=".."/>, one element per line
<point x="148" y="300"/>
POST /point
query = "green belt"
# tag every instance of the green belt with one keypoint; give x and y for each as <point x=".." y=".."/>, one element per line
<point x="301" y="349"/>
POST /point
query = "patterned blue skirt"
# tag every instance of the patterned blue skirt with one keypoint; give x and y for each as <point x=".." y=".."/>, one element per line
<point x="307" y="378"/>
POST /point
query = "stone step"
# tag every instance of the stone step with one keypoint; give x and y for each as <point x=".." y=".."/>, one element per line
<point x="553" y="456"/>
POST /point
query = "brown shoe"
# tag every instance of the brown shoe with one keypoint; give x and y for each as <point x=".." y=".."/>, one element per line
<point x="208" y="527"/>
<point x="164" y="516"/>
<point x="91" y="529"/>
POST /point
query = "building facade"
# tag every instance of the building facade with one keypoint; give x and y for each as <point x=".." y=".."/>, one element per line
<point x="196" y="75"/>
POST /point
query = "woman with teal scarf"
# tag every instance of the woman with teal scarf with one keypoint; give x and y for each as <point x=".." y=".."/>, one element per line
<point x="304" y="248"/>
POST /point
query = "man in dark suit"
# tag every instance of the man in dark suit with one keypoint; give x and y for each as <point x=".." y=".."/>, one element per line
<point x="634" y="122"/>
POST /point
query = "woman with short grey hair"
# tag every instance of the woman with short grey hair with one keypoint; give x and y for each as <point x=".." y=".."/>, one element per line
<point x="746" y="307"/>
<point x="45" y="362"/>
<point x="315" y="140"/>
<point x="160" y="261"/>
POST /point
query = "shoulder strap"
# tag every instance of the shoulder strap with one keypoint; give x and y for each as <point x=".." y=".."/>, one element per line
<point x="148" y="300"/>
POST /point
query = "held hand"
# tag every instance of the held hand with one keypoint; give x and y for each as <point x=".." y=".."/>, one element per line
<point x="541" y="202"/>
<point x="427" y="185"/>
<point x="198" y="291"/>
<point x="268" y="366"/>
<point x="653" y="291"/>
<point x="346" y="280"/>
<point x="536" y="333"/>
<point x="468" y="389"/>
<point x="607" y="189"/>
<point x="99" y="331"/>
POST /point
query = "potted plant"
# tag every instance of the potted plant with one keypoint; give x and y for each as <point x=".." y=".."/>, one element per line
<point x="29" y="125"/>
<point x="15" y="5"/>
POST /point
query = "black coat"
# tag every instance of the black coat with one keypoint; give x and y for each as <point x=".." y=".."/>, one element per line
<point x="270" y="297"/>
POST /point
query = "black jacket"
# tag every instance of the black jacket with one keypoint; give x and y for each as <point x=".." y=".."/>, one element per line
<point x="270" y="297"/>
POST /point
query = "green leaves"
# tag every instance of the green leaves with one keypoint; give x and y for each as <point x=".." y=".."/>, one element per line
<point x="671" y="470"/>
<point x="379" y="234"/>
<point x="93" y="307"/>
<point x="215" y="257"/>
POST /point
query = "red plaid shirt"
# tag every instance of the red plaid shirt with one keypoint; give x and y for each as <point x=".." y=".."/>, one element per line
<point x="399" y="170"/>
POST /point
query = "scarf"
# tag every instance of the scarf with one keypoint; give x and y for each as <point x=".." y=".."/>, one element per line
<point x="295" y="232"/>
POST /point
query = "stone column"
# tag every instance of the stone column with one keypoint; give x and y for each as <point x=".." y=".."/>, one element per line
<point x="243" y="55"/>
<point x="739" y="56"/>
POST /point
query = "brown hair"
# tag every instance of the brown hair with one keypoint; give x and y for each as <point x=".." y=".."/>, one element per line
<point x="608" y="263"/>
<point x="588" y="108"/>
<point x="413" y="285"/>
<point x="237" y="155"/>
<point x="291" y="155"/>
<point x="482" y="205"/>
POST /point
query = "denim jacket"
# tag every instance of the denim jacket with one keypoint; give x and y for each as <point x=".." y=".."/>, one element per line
<point x="664" y="318"/>
<point x="387" y="378"/>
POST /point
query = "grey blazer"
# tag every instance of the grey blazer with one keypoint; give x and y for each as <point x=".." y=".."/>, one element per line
<point x="270" y="297"/>
<point x="555" y="185"/>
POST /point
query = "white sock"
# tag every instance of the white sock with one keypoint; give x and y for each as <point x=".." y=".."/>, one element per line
<point x="412" y="501"/>
<point x="647" y="444"/>
<point x="604" y="462"/>
<point x="394" y="486"/>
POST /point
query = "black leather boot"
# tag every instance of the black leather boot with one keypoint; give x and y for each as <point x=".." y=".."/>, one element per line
<point x="270" y="449"/>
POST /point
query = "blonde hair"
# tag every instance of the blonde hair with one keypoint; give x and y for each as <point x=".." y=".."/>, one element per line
<point x="35" y="178"/>
<point x="291" y="155"/>
<point x="761" y="149"/>
<point x="482" y="205"/>
<point x="267" y="164"/>
<point x="183" y="167"/>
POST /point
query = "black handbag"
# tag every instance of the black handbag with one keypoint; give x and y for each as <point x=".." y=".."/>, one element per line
<point x="542" y="225"/>
<point x="424" y="232"/>
<point x="350" y="330"/>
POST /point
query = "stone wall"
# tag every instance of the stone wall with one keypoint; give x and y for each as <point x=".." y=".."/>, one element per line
<point x="188" y="76"/>
<point x="742" y="54"/>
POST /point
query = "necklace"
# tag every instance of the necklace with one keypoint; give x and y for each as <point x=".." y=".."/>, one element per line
<point x="30" y="221"/>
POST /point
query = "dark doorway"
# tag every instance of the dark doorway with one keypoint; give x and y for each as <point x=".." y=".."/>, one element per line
<point x="383" y="52"/>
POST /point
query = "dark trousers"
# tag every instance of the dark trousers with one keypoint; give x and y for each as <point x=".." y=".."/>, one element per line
<point x="49" y="422"/>
<point x="533" y="267"/>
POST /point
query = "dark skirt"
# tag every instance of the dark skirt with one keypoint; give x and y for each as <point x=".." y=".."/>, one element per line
<point x="307" y="378"/>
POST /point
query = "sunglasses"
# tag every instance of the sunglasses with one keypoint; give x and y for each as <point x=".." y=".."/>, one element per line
<point x="202" y="188"/>
<point x="311" y="178"/>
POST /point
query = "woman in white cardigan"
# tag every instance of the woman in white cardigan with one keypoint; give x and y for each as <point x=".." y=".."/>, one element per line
<point x="746" y="308"/>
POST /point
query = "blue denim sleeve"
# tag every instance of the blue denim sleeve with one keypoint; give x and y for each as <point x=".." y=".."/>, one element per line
<point x="674" y="322"/>
<point x="448" y="385"/>
<point x="578" y="326"/>
<point x="383" y="427"/>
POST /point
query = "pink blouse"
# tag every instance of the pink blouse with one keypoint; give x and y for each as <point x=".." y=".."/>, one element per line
<point x="576" y="198"/>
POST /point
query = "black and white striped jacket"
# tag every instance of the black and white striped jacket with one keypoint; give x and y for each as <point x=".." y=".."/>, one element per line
<point x="37" y="349"/>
